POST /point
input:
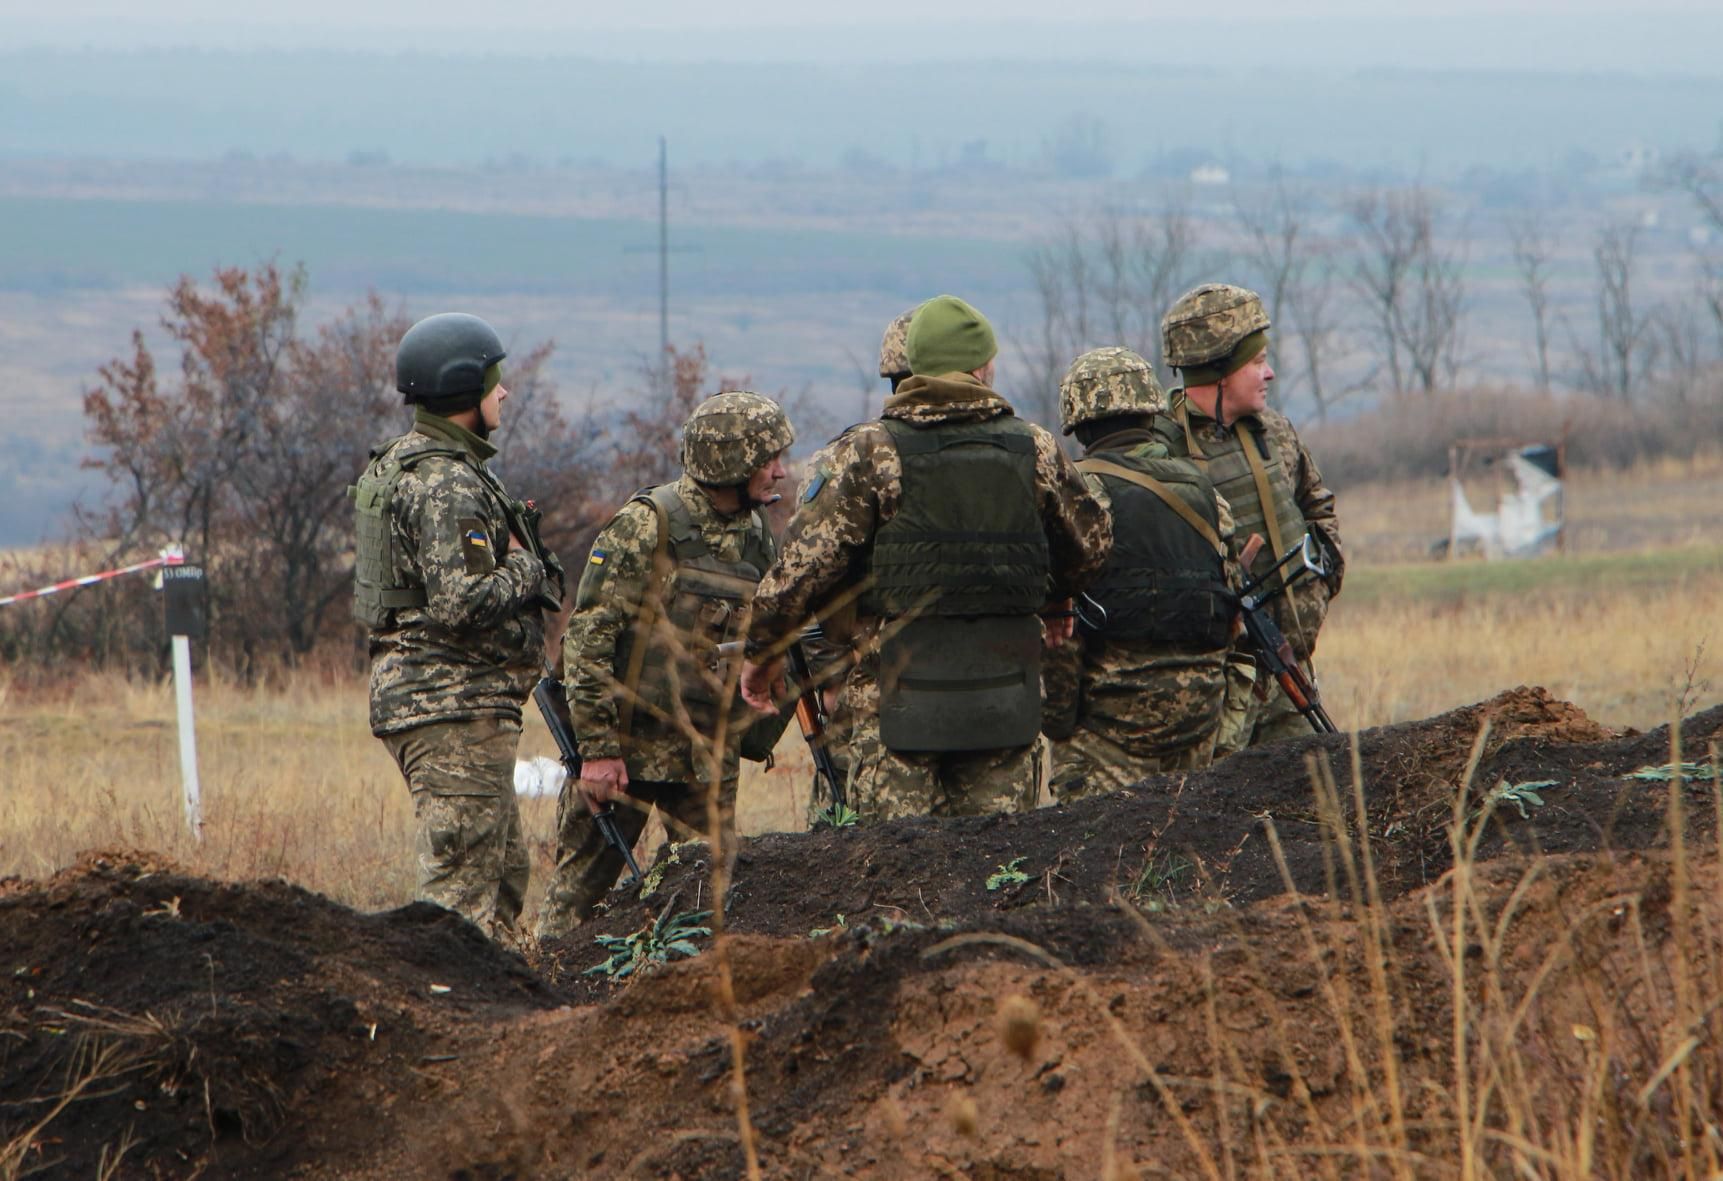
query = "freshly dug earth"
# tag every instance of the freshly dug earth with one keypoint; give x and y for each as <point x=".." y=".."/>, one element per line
<point x="1189" y="978"/>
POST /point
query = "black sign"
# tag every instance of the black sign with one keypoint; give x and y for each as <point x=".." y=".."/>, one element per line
<point x="185" y="592"/>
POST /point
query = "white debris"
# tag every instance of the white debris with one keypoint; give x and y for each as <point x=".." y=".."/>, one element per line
<point x="539" y="776"/>
<point x="1526" y="521"/>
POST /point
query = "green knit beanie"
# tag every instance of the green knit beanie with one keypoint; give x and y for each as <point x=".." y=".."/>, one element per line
<point x="946" y="335"/>
<point x="1243" y="353"/>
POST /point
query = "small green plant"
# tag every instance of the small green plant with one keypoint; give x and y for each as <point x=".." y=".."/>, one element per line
<point x="838" y="816"/>
<point x="1008" y="875"/>
<point x="840" y="926"/>
<point x="655" y="876"/>
<point x="1155" y="881"/>
<point x="664" y="939"/>
<point x="1517" y="794"/>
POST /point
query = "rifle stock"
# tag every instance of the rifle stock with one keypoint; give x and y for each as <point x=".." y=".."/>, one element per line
<point x="552" y="702"/>
<point x="1274" y="652"/>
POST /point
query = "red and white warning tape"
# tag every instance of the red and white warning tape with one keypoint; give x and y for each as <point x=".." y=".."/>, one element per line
<point x="170" y="557"/>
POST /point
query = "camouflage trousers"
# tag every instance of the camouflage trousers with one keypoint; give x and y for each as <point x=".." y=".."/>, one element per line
<point x="471" y="857"/>
<point x="837" y="744"/>
<point x="1089" y="764"/>
<point x="587" y="867"/>
<point x="1249" y="721"/>
<point x="886" y="784"/>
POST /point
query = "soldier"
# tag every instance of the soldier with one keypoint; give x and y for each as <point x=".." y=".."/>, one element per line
<point x="450" y="577"/>
<point x="958" y="523"/>
<point x="1217" y="337"/>
<point x="830" y="655"/>
<point x="668" y="580"/>
<point x="1142" y="691"/>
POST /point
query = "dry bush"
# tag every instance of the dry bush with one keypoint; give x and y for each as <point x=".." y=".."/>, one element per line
<point x="1409" y="438"/>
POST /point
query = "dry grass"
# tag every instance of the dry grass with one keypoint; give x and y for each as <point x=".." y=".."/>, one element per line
<point x="295" y="786"/>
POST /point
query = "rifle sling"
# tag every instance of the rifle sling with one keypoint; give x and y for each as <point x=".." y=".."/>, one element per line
<point x="1187" y="514"/>
<point x="1250" y="442"/>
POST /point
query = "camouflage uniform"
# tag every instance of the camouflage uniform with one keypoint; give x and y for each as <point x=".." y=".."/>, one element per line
<point x="1122" y="709"/>
<point x="829" y="658"/>
<point x="448" y="677"/>
<point x="620" y="599"/>
<point x="1196" y="329"/>
<point x="856" y="488"/>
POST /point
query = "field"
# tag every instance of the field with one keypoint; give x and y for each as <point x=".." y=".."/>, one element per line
<point x="1471" y="945"/>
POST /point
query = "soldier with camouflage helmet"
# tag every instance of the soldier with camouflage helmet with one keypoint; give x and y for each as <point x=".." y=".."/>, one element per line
<point x="1142" y="691"/>
<point x="668" y="581"/>
<point x="1217" y="337"/>
<point x="451" y="580"/>
<point x="955" y="525"/>
<point x="829" y="652"/>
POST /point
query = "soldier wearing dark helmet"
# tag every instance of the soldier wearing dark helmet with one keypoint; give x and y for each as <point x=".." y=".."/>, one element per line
<point x="1142" y="691"/>
<point x="451" y="580"/>
<point x="1217" y="337"/>
<point x="668" y="581"/>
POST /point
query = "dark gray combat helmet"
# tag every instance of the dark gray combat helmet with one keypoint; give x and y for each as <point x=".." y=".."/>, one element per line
<point x="441" y="362"/>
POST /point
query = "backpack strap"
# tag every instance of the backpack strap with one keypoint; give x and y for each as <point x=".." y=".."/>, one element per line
<point x="1171" y="499"/>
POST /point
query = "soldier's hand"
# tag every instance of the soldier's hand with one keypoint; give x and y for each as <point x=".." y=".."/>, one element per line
<point x="603" y="781"/>
<point x="763" y="685"/>
<point x="1058" y="625"/>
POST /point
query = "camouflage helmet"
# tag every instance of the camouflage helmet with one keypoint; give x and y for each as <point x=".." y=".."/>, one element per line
<point x="442" y="360"/>
<point x="1206" y="324"/>
<point x="894" y="347"/>
<point x="731" y="436"/>
<point x="1106" y="382"/>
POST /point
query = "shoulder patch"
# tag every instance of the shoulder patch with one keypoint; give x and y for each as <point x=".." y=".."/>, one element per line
<point x="814" y="485"/>
<point x="476" y="546"/>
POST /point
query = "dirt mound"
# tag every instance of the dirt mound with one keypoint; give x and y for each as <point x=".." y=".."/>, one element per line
<point x="1173" y="1002"/>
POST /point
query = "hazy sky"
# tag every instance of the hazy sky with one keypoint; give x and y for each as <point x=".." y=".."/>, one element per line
<point x="1668" y="35"/>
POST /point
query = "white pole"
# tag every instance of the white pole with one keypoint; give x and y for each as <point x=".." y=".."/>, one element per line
<point x="187" y="735"/>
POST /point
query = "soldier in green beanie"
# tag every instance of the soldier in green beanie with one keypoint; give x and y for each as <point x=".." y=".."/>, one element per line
<point x="1216" y="336"/>
<point x="955" y="525"/>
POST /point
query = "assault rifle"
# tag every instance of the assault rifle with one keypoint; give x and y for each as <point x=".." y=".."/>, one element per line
<point x="1273" y="652"/>
<point x="553" y="704"/>
<point x="811" y="714"/>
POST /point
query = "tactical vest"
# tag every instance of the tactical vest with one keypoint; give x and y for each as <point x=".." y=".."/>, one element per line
<point x="695" y="602"/>
<point x="378" y="592"/>
<point x="959" y="573"/>
<point x="1165" y="583"/>
<point x="1246" y="478"/>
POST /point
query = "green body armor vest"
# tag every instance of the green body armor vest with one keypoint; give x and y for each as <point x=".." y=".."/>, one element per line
<point x="959" y="574"/>
<point x="377" y="590"/>
<point x="704" y="600"/>
<point x="1240" y="476"/>
<point x="1165" y="583"/>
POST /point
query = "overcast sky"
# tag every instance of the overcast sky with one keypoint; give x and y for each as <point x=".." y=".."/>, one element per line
<point x="1668" y="36"/>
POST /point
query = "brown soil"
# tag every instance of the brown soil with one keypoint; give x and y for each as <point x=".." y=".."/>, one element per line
<point x="1173" y="1003"/>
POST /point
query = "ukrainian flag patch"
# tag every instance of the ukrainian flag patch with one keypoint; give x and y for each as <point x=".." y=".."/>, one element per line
<point x="477" y="539"/>
<point x="597" y="558"/>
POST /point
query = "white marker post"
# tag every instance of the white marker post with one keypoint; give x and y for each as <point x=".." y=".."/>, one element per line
<point x="184" y="594"/>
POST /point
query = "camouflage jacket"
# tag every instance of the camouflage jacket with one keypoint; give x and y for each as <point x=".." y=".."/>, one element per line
<point x="616" y="580"/>
<point x="857" y="486"/>
<point x="1312" y="498"/>
<point x="1147" y="700"/>
<point x="476" y="647"/>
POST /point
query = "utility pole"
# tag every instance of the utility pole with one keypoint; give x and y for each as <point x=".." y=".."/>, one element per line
<point x="664" y="258"/>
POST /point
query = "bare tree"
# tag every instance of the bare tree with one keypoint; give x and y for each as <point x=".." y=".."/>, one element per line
<point x="1623" y="356"/>
<point x="1532" y="247"/>
<point x="1411" y="284"/>
<point x="1101" y="280"/>
<point x="1295" y="275"/>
